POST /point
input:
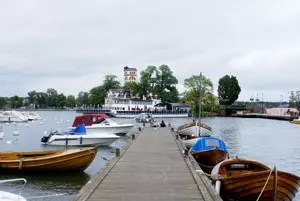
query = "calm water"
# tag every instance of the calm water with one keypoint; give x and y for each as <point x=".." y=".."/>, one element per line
<point x="271" y="142"/>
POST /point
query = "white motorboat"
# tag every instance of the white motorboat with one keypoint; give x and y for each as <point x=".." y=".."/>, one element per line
<point x="144" y="118"/>
<point x="101" y="124"/>
<point x="6" y="196"/>
<point x="191" y="130"/>
<point x="12" y="116"/>
<point x="32" y="116"/>
<point x="78" y="137"/>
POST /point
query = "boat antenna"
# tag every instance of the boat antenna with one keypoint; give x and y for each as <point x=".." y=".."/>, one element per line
<point x="200" y="100"/>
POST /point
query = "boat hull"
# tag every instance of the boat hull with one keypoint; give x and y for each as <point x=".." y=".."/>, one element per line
<point x="192" y="129"/>
<point x="210" y="157"/>
<point x="113" y="130"/>
<point x="248" y="186"/>
<point x="84" y="140"/>
<point x="6" y="196"/>
<point x="57" y="160"/>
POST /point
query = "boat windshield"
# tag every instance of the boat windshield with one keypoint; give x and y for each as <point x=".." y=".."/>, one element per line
<point x="212" y="142"/>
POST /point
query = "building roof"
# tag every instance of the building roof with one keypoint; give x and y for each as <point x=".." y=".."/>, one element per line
<point x="172" y="104"/>
<point x="126" y="68"/>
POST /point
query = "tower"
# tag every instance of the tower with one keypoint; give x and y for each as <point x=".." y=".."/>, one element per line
<point x="130" y="74"/>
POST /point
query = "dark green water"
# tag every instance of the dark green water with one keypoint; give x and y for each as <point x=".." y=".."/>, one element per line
<point x="271" y="142"/>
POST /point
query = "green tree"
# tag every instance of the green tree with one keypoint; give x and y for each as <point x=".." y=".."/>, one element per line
<point x="133" y="86"/>
<point x="41" y="99"/>
<point x="111" y="82"/>
<point x="192" y="94"/>
<point x="83" y="99"/>
<point x="32" y="97"/>
<point x="160" y="82"/>
<point x="52" y="96"/>
<point x="165" y="85"/>
<point x="97" y="95"/>
<point x="228" y="90"/>
<point x="71" y="101"/>
<point x="16" y="101"/>
<point x="3" y="101"/>
<point x="60" y="100"/>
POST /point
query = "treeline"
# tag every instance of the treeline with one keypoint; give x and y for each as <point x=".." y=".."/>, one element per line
<point x="155" y="82"/>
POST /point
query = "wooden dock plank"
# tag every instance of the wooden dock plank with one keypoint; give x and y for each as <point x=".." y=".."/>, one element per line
<point x="153" y="168"/>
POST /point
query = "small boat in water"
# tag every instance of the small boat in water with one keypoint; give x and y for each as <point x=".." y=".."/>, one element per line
<point x="6" y="196"/>
<point x="209" y="151"/>
<point x="246" y="180"/>
<point x="144" y="118"/>
<point x="191" y="130"/>
<point x="78" y="137"/>
<point x="101" y="124"/>
<point x="53" y="160"/>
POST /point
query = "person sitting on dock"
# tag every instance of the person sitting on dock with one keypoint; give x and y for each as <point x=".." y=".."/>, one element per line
<point x="162" y="124"/>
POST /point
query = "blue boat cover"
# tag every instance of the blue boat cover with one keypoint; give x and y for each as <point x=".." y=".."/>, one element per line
<point x="208" y="143"/>
<point x="79" y="130"/>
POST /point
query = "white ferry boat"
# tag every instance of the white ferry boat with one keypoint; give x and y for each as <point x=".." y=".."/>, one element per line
<point x="120" y="103"/>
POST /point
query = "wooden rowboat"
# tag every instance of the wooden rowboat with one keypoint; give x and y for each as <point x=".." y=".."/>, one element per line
<point x="192" y="129"/>
<point x="54" y="160"/>
<point x="244" y="180"/>
<point x="209" y="151"/>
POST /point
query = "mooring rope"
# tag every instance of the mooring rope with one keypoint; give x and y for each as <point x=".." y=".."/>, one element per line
<point x="263" y="189"/>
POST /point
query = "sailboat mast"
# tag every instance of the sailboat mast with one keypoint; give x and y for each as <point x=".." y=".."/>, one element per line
<point x="200" y="100"/>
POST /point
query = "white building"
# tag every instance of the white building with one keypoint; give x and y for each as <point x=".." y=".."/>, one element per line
<point x="130" y="74"/>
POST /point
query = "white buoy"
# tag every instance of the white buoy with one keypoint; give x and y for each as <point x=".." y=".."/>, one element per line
<point x="16" y="131"/>
<point x="45" y="132"/>
<point x="68" y="120"/>
<point x="1" y="135"/>
<point x="27" y="125"/>
<point x="7" y="124"/>
<point x="8" y="142"/>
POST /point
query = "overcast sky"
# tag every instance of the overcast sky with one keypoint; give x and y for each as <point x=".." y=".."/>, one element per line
<point x="71" y="45"/>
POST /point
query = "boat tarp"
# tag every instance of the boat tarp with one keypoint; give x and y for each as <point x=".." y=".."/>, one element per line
<point x="208" y="143"/>
<point x="79" y="130"/>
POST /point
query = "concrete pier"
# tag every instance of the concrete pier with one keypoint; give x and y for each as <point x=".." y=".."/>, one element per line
<point x="152" y="168"/>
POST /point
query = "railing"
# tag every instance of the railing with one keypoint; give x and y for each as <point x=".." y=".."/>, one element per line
<point x="131" y="112"/>
<point x="14" y="180"/>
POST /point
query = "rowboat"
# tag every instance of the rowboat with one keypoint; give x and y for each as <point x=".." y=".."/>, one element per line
<point x="209" y="151"/>
<point x="245" y="180"/>
<point x="53" y="160"/>
<point x="192" y="129"/>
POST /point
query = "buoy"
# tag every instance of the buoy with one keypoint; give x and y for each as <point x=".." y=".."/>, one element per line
<point x="1" y="135"/>
<point x="68" y="120"/>
<point x="8" y="142"/>
<point x="45" y="132"/>
<point x="16" y="131"/>
<point x="7" y="124"/>
<point x="57" y="122"/>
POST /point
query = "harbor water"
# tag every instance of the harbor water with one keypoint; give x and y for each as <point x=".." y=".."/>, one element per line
<point x="271" y="142"/>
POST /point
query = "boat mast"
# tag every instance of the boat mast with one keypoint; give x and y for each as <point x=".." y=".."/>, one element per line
<point x="200" y="100"/>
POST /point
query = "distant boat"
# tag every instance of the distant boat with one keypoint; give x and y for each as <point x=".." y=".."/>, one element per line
<point x="101" y="124"/>
<point x="12" y="116"/>
<point x="296" y="121"/>
<point x="144" y="118"/>
<point x="78" y="137"/>
<point x="6" y="196"/>
<point x="32" y="116"/>
<point x="47" y="161"/>
<point x="244" y="180"/>
<point x="209" y="151"/>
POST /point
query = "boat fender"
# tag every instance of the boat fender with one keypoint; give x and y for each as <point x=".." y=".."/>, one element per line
<point x="80" y="140"/>
<point x="20" y="163"/>
<point x="218" y="186"/>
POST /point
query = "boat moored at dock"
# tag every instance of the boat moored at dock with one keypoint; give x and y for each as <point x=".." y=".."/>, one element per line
<point x="246" y="180"/>
<point x="51" y="161"/>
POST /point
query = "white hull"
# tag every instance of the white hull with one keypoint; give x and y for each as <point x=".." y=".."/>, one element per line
<point x="81" y="140"/>
<point x="12" y="116"/>
<point x="111" y="129"/>
<point x="194" y="131"/>
<point x="154" y="115"/>
<point x="5" y="196"/>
